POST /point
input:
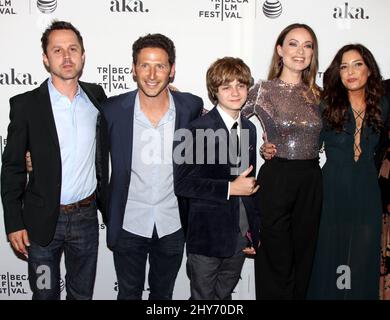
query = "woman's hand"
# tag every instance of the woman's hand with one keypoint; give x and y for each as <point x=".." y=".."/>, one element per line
<point x="249" y="251"/>
<point x="268" y="151"/>
<point x="385" y="169"/>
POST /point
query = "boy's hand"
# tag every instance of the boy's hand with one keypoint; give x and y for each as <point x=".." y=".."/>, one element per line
<point x="244" y="185"/>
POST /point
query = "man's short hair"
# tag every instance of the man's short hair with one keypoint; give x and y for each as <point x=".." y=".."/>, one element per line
<point x="155" y="40"/>
<point x="59" y="25"/>
<point x="224" y="71"/>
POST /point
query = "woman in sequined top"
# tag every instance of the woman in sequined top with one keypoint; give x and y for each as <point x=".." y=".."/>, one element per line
<point x="290" y="193"/>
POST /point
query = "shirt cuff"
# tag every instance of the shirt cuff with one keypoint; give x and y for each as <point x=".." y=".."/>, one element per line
<point x="228" y="194"/>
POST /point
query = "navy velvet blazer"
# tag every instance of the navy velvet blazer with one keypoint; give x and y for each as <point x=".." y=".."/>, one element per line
<point x="119" y="114"/>
<point x="213" y="221"/>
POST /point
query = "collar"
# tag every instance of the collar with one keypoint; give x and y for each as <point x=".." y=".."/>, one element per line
<point x="137" y="104"/>
<point x="168" y="116"/>
<point x="55" y="95"/>
<point x="227" y="119"/>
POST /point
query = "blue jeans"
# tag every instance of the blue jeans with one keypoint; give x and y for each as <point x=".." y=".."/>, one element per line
<point x="165" y="257"/>
<point x="77" y="235"/>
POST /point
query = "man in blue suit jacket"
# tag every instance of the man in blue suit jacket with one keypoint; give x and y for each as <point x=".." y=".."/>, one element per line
<point x="218" y="180"/>
<point x="143" y="212"/>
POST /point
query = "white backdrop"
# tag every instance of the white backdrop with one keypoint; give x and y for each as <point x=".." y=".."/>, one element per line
<point x="203" y="30"/>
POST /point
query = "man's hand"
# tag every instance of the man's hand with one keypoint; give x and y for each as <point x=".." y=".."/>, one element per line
<point x="28" y="162"/>
<point x="19" y="241"/>
<point x="268" y="151"/>
<point x="244" y="185"/>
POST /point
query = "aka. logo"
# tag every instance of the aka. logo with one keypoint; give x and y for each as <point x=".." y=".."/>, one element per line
<point x="224" y="9"/>
<point x="134" y="6"/>
<point x="348" y="12"/>
<point x="272" y="9"/>
<point x="16" y="78"/>
<point x="47" y="6"/>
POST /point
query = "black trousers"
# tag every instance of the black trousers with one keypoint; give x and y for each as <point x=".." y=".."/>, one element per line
<point x="289" y="200"/>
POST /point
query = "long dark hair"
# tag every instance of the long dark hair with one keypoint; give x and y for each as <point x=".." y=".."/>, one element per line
<point x="310" y="73"/>
<point x="335" y="95"/>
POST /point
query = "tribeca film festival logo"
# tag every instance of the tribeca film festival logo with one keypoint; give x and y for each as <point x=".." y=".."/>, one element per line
<point x="6" y="7"/>
<point x="16" y="78"/>
<point x="224" y="9"/>
<point x="47" y="6"/>
<point x="114" y="77"/>
<point x="13" y="284"/>
<point x="135" y="6"/>
<point x="272" y="9"/>
<point x="3" y="143"/>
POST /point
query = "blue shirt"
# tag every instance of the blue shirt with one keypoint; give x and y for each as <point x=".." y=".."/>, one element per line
<point x="76" y="130"/>
<point x="151" y="200"/>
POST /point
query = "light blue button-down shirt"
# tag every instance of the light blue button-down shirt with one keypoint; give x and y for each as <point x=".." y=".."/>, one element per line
<point x="151" y="199"/>
<point x="76" y="130"/>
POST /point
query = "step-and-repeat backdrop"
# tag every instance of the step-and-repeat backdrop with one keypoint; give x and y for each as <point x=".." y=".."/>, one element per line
<point x="202" y="30"/>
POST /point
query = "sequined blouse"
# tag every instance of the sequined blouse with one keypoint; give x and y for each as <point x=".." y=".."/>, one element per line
<point x="289" y="115"/>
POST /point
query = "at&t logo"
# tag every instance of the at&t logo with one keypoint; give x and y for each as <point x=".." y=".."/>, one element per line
<point x="47" y="6"/>
<point x="272" y="9"/>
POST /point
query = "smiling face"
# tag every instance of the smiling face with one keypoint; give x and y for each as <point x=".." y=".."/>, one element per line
<point x="296" y="50"/>
<point x="231" y="96"/>
<point x="152" y="71"/>
<point x="64" y="56"/>
<point x="354" y="72"/>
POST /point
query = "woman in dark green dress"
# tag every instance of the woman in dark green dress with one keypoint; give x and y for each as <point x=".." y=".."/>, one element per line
<point x="347" y="260"/>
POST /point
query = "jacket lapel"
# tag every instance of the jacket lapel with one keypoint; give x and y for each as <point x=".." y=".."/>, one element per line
<point x="218" y="121"/>
<point x="46" y="113"/>
<point x="249" y="149"/>
<point x="126" y="123"/>
<point x="90" y="95"/>
<point x="182" y="118"/>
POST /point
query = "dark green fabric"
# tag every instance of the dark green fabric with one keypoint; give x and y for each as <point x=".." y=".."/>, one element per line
<point x="350" y="227"/>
